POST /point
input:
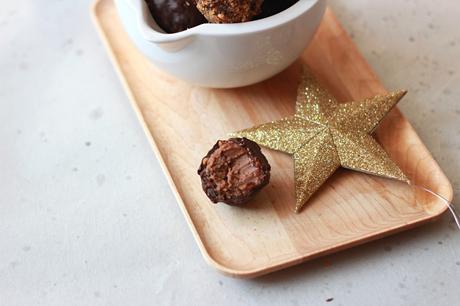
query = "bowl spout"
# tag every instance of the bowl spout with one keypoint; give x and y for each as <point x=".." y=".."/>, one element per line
<point x="151" y="32"/>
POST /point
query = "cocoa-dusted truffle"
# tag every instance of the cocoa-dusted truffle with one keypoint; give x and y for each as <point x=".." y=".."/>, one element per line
<point x="233" y="171"/>
<point x="175" y="15"/>
<point x="229" y="11"/>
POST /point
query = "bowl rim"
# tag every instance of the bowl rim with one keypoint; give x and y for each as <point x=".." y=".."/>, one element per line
<point x="152" y="32"/>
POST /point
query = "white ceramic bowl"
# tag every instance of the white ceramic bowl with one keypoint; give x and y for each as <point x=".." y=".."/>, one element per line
<point x="224" y="55"/>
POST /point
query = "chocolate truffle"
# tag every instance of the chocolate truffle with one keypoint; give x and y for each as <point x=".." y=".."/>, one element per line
<point x="272" y="7"/>
<point x="175" y="15"/>
<point x="233" y="171"/>
<point x="229" y="11"/>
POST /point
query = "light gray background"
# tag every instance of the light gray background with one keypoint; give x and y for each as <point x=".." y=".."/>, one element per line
<point x="86" y="215"/>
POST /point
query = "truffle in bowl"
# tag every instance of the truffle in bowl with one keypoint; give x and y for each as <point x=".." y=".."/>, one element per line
<point x="224" y="55"/>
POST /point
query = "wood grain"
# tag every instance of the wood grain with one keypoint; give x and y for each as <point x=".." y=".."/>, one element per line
<point x="182" y="122"/>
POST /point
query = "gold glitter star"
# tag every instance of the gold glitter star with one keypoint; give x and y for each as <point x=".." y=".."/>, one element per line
<point x="324" y="135"/>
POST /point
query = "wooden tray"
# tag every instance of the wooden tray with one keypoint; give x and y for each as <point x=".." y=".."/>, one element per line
<point x="182" y="122"/>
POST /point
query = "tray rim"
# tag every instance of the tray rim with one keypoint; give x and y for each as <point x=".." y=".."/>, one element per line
<point x="251" y="273"/>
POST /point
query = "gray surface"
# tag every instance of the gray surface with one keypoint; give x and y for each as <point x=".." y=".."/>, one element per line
<point x="86" y="215"/>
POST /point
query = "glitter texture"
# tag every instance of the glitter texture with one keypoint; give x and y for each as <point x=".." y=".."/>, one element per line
<point x="324" y="135"/>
